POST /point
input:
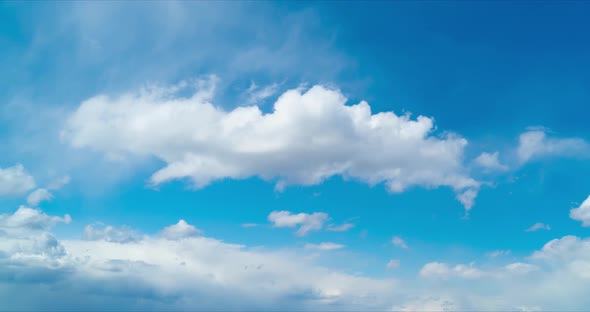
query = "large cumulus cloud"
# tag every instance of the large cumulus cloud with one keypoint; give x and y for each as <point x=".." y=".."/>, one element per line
<point x="309" y="136"/>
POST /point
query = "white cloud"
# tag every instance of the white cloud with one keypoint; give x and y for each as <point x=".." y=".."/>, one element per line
<point x="497" y="253"/>
<point x="15" y="180"/>
<point x="538" y="226"/>
<point x="582" y="213"/>
<point x="324" y="246"/>
<point x="199" y="273"/>
<point x="399" y="242"/>
<point x="490" y="161"/>
<point x="393" y="264"/>
<point x="153" y="272"/>
<point x="467" y="198"/>
<point x="535" y="144"/>
<point x="249" y="225"/>
<point x="180" y="230"/>
<point x="308" y="137"/>
<point x="306" y="222"/>
<point x="38" y="196"/>
<point x="340" y="228"/>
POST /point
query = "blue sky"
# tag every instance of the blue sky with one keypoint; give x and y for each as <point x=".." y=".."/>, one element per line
<point x="326" y="139"/>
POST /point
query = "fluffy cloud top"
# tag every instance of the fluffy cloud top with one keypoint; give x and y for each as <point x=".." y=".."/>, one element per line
<point x="15" y="181"/>
<point x="582" y="213"/>
<point x="180" y="230"/>
<point x="308" y="137"/>
<point x="306" y="222"/>
<point x="535" y="144"/>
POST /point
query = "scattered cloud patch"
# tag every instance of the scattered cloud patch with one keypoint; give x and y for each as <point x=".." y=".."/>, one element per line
<point x="38" y="196"/>
<point x="393" y="264"/>
<point x="535" y="144"/>
<point x="249" y="225"/>
<point x="15" y="181"/>
<point x="490" y="162"/>
<point x="340" y="228"/>
<point x="109" y="233"/>
<point x="538" y="226"/>
<point x="582" y="213"/>
<point x="324" y="246"/>
<point x="498" y="253"/>
<point x="306" y="222"/>
<point x="256" y="94"/>
<point x="58" y="183"/>
<point x="399" y="242"/>
<point x="310" y="135"/>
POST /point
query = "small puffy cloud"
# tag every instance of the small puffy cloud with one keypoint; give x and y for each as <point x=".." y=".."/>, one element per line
<point x="535" y="144"/>
<point x="490" y="161"/>
<point x="538" y="226"/>
<point x="582" y="213"/>
<point x="38" y="196"/>
<point x="122" y="234"/>
<point x="249" y="225"/>
<point x="399" y="242"/>
<point x="305" y="222"/>
<point x="180" y="230"/>
<point x="15" y="180"/>
<point x="427" y="304"/>
<point x="310" y="136"/>
<point x="393" y="264"/>
<point x="340" y="228"/>
<point x="497" y="253"/>
<point x="324" y="246"/>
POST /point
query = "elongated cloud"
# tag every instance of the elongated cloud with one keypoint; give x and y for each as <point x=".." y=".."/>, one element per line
<point x="308" y="137"/>
<point x="535" y="144"/>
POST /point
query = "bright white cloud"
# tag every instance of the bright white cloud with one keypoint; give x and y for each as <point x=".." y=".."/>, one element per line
<point x="305" y="222"/>
<point x="340" y="228"/>
<point x="15" y="180"/>
<point x="308" y="137"/>
<point x="180" y="230"/>
<point x="38" y="196"/>
<point x="535" y="144"/>
<point x="399" y="242"/>
<point x="538" y="226"/>
<point x="393" y="264"/>
<point x="490" y="161"/>
<point x="324" y="246"/>
<point x="582" y="213"/>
